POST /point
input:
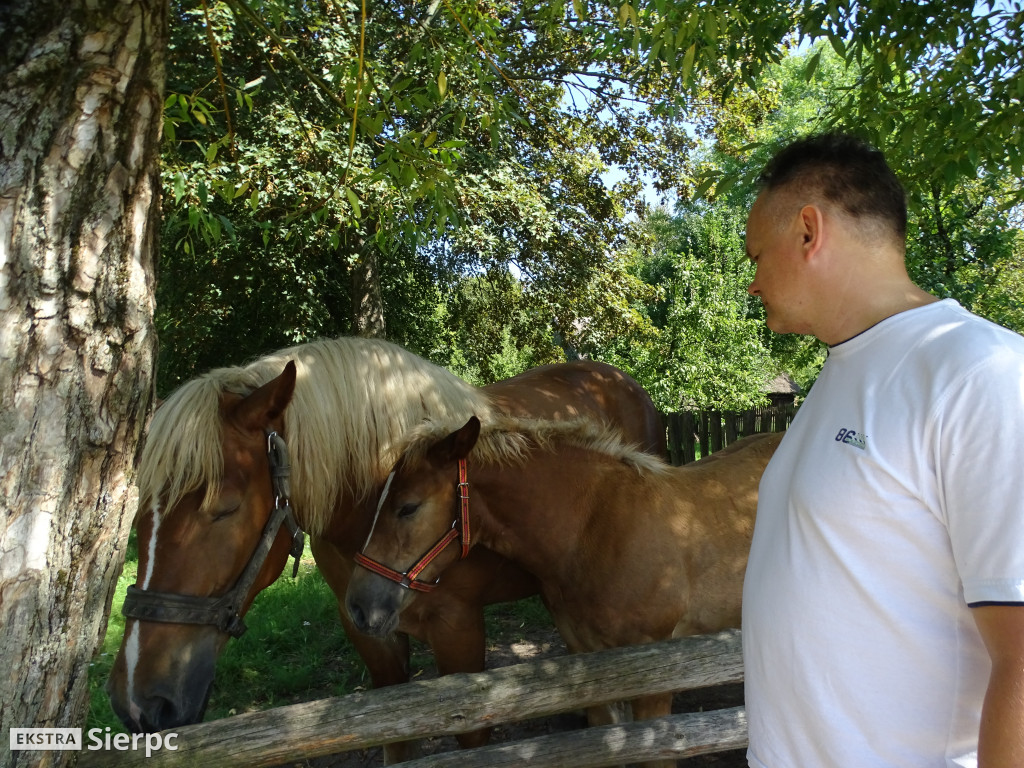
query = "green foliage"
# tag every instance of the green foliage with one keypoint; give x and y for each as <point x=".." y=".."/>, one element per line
<point x="940" y="86"/>
<point x="962" y="237"/>
<point x="493" y="335"/>
<point x="446" y="141"/>
<point x="435" y="140"/>
<point x="705" y="350"/>
<point x="963" y="245"/>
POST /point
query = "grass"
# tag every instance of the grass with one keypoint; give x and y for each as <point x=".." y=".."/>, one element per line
<point x="295" y="649"/>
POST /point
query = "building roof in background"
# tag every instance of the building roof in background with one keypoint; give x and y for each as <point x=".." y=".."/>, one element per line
<point x="782" y="384"/>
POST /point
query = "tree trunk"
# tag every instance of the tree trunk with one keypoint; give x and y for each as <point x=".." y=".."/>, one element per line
<point x="81" y="84"/>
<point x="367" y="301"/>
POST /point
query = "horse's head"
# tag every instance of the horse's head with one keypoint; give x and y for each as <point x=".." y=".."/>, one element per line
<point x="210" y="537"/>
<point x="421" y="515"/>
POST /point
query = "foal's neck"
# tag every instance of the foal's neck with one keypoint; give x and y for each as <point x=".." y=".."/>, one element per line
<point x="527" y="510"/>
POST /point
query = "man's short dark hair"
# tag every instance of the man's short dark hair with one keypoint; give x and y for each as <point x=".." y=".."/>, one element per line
<point x="847" y="172"/>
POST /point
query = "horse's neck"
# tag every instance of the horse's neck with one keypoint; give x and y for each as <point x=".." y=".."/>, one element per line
<point x="348" y="525"/>
<point x="527" y="510"/>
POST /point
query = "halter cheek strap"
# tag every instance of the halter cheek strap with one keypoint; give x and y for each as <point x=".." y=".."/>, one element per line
<point x="460" y="530"/>
<point x="225" y="611"/>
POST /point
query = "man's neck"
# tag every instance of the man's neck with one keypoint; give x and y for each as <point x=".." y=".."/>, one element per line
<point x="874" y="307"/>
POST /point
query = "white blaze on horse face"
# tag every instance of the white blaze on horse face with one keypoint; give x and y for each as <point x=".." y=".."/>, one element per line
<point x="131" y="646"/>
<point x="380" y="506"/>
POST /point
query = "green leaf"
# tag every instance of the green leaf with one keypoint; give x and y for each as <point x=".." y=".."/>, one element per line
<point x="837" y="44"/>
<point x="442" y="84"/>
<point x="711" y="25"/>
<point x="687" y="68"/>
<point x="354" y="202"/>
<point x="812" y="66"/>
<point x="703" y="187"/>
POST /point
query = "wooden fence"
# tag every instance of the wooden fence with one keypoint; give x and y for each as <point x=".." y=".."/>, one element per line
<point x="710" y="431"/>
<point x="465" y="702"/>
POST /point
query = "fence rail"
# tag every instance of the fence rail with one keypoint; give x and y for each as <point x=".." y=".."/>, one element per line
<point x="691" y="434"/>
<point x="465" y="702"/>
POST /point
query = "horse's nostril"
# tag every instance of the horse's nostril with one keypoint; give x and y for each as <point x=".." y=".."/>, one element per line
<point x="158" y="714"/>
<point x="357" y="615"/>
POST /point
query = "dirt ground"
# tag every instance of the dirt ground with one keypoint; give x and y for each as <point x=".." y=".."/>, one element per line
<point x="541" y="643"/>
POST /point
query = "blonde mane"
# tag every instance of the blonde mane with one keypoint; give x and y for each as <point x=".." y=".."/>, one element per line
<point x="510" y="440"/>
<point x="354" y="401"/>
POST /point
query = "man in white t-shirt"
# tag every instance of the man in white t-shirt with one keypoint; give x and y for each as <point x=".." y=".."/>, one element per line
<point x="883" y="608"/>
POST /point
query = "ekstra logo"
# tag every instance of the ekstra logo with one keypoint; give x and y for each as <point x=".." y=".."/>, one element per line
<point x="46" y="739"/>
<point x="51" y="739"/>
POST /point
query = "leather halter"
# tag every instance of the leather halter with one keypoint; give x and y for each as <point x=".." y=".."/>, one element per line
<point x="225" y="611"/>
<point x="459" y="530"/>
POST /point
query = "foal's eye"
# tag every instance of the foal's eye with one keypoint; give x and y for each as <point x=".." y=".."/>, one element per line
<point x="407" y="510"/>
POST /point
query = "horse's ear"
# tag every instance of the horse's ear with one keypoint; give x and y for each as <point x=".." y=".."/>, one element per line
<point x="458" y="444"/>
<point x="267" y="403"/>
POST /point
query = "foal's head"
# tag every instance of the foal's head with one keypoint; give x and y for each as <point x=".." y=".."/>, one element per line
<point x="419" y="529"/>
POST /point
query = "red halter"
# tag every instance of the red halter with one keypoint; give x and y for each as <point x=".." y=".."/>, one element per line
<point x="459" y="529"/>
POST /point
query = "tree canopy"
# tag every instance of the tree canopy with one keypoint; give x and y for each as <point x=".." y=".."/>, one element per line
<point x="435" y="171"/>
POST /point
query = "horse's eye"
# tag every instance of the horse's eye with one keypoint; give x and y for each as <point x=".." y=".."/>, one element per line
<point x="224" y="513"/>
<point x="406" y="510"/>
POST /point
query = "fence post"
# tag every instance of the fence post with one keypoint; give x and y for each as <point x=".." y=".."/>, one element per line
<point x="731" y="427"/>
<point x="715" y="436"/>
<point x="703" y="430"/>
<point x="688" y="428"/>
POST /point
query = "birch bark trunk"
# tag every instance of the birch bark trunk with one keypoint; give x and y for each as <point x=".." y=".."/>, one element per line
<point x="81" y="84"/>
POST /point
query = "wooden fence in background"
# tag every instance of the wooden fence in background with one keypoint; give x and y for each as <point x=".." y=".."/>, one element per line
<point x="692" y="434"/>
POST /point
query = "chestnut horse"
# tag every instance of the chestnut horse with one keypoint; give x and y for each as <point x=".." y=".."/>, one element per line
<point x="638" y="551"/>
<point x="215" y="525"/>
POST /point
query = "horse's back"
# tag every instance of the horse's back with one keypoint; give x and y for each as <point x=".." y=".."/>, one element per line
<point x="583" y="389"/>
<point x="757" y="444"/>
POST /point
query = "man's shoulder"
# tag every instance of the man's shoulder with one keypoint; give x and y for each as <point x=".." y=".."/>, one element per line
<point x="965" y="338"/>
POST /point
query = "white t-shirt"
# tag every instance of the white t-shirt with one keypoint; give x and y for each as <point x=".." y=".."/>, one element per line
<point x="896" y="498"/>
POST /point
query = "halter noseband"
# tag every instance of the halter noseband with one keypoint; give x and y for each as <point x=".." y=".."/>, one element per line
<point x="225" y="611"/>
<point x="459" y="530"/>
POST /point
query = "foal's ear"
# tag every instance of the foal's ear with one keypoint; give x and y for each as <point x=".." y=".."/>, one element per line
<point x="267" y="403"/>
<point x="458" y="444"/>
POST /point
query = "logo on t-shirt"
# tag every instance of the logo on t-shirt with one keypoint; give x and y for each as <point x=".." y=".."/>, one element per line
<point x="852" y="437"/>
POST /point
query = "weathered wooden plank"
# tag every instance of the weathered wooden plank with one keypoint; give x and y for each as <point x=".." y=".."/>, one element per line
<point x="673" y="426"/>
<point x="715" y="436"/>
<point x="446" y="706"/>
<point x="676" y="736"/>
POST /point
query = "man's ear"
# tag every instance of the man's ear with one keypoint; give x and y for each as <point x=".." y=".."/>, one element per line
<point x="812" y="223"/>
<point x="457" y="445"/>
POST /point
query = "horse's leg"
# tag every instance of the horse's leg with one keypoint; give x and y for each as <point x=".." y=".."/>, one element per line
<point x="386" y="660"/>
<point x="648" y="708"/>
<point x="459" y="645"/>
<point x="613" y="713"/>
